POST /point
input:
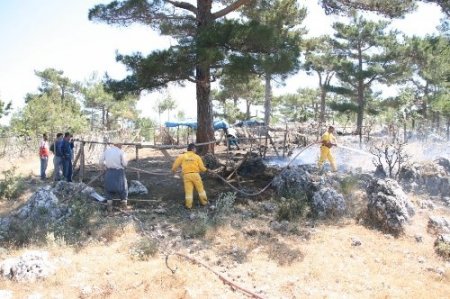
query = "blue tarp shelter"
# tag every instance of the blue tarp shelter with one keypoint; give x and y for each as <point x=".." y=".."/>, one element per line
<point x="218" y="124"/>
<point x="249" y="123"/>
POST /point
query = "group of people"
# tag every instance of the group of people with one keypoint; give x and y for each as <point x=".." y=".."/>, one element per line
<point x="62" y="150"/>
<point x="114" y="161"/>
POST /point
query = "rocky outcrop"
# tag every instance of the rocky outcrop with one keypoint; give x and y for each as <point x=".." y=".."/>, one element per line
<point x="29" y="267"/>
<point x="431" y="177"/>
<point x="388" y="206"/>
<point x="46" y="207"/>
<point x="136" y="187"/>
<point x="327" y="202"/>
<point x="438" y="224"/>
<point x="321" y="191"/>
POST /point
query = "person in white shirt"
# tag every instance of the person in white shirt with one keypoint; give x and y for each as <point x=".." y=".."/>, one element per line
<point x="115" y="162"/>
<point x="231" y="135"/>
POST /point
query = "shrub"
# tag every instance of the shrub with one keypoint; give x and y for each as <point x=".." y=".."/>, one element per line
<point x="144" y="248"/>
<point x="84" y="216"/>
<point x="442" y="248"/>
<point x="224" y="206"/>
<point x="197" y="227"/>
<point x="12" y="185"/>
<point x="348" y="185"/>
<point x="293" y="208"/>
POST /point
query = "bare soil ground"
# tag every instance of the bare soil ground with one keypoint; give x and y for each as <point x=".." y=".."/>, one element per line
<point x="313" y="259"/>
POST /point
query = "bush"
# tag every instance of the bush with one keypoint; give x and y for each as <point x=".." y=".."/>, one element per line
<point x="442" y="248"/>
<point x="144" y="248"/>
<point x="12" y="185"/>
<point x="348" y="185"/>
<point x="224" y="206"/>
<point x="197" y="227"/>
<point x="293" y="208"/>
<point x="84" y="216"/>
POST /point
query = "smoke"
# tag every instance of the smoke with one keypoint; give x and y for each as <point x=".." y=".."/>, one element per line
<point x="350" y="156"/>
<point x="425" y="151"/>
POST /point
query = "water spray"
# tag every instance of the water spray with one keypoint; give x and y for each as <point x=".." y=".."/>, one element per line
<point x="356" y="150"/>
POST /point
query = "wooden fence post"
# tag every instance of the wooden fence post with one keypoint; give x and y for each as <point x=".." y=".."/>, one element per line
<point x="82" y="161"/>
<point x="138" y="174"/>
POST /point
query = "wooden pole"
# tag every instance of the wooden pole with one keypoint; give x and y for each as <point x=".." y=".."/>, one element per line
<point x="284" y="141"/>
<point x="82" y="162"/>
<point x="138" y="174"/>
<point x="265" y="142"/>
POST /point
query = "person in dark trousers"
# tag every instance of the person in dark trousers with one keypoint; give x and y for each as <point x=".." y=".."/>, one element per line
<point x="67" y="157"/>
<point x="44" y="153"/>
<point x="56" y="148"/>
<point x="232" y="139"/>
<point x="114" y="160"/>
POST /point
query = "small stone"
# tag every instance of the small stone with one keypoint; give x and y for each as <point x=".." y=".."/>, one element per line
<point x="356" y="242"/>
<point x="421" y="259"/>
<point x="419" y="238"/>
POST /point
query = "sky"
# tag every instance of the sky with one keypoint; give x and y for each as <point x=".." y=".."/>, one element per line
<point x="36" y="34"/>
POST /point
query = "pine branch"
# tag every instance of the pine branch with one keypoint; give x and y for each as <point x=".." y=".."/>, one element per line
<point x="232" y="7"/>
<point x="183" y="5"/>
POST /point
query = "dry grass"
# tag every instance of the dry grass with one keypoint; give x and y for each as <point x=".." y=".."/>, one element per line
<point x="252" y="255"/>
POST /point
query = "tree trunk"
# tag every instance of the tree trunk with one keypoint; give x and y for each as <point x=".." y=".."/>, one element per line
<point x="323" y="95"/>
<point x="360" y="114"/>
<point x="268" y="100"/>
<point x="108" y="124"/>
<point x="247" y="110"/>
<point x="205" y="132"/>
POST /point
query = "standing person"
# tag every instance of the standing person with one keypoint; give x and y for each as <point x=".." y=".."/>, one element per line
<point x="115" y="162"/>
<point x="67" y="157"/>
<point x="44" y="153"/>
<point x="328" y="141"/>
<point x="231" y="135"/>
<point x="57" y="159"/>
<point x="191" y="164"/>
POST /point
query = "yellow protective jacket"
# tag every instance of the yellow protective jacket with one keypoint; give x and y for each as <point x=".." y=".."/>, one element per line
<point x="328" y="138"/>
<point x="190" y="163"/>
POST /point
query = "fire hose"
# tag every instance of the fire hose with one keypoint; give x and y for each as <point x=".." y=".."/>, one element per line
<point x="228" y="183"/>
<point x="270" y="183"/>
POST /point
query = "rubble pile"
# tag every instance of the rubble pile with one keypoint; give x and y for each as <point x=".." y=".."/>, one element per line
<point x="388" y="205"/>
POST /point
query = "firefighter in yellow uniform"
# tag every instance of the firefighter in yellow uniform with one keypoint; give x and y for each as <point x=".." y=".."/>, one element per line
<point x="328" y="141"/>
<point x="191" y="164"/>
